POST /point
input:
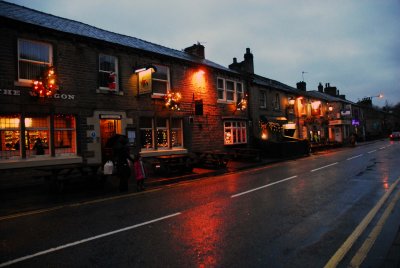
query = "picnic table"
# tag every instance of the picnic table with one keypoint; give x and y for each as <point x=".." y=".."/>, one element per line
<point x="59" y="175"/>
<point x="247" y="153"/>
<point x="173" y="163"/>
<point x="212" y="158"/>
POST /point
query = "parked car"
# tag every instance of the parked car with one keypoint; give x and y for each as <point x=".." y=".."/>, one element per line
<point x="395" y="135"/>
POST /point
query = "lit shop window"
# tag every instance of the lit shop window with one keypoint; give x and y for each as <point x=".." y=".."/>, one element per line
<point x="162" y="133"/>
<point x="146" y="133"/>
<point x="176" y="132"/>
<point x="235" y="132"/>
<point x="37" y="135"/>
<point x="9" y="137"/>
<point x="108" y="72"/>
<point x="160" y="80"/>
<point x="64" y="134"/>
<point x="33" y="58"/>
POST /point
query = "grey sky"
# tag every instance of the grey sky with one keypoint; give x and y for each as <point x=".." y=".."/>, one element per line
<point x="354" y="45"/>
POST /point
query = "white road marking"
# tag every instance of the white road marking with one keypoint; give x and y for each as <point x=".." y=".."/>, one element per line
<point x="265" y="186"/>
<point x="85" y="240"/>
<point x="355" y="156"/>
<point x="370" y="152"/>
<point x="324" y="167"/>
<point x="382" y="148"/>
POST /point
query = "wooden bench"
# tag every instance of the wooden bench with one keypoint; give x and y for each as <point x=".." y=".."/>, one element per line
<point x="213" y="158"/>
<point x="59" y="175"/>
<point x="167" y="164"/>
<point x="247" y="153"/>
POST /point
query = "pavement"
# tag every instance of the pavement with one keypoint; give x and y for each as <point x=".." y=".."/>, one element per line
<point x="25" y="192"/>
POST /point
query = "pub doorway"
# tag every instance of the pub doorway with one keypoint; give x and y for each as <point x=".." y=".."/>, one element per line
<point x="108" y="128"/>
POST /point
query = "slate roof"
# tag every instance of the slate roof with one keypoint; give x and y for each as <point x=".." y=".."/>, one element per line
<point x="264" y="81"/>
<point x="38" y="18"/>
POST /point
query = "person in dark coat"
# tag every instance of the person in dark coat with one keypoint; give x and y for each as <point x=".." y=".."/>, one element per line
<point x="121" y="157"/>
<point x="38" y="146"/>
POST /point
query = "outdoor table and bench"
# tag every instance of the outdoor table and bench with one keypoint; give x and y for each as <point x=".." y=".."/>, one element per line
<point x="58" y="175"/>
<point x="247" y="153"/>
<point x="214" y="158"/>
<point x="173" y="163"/>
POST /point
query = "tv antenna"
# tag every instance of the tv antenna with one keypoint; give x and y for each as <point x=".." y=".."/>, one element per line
<point x="302" y="74"/>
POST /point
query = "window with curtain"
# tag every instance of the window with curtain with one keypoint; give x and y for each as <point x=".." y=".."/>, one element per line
<point x="108" y="72"/>
<point x="235" y="132"/>
<point x="33" y="58"/>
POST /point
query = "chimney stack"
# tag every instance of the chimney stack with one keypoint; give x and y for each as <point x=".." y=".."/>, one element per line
<point x="196" y="50"/>
<point x="245" y="66"/>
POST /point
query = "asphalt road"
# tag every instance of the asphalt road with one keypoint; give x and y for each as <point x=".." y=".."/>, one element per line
<point x="298" y="213"/>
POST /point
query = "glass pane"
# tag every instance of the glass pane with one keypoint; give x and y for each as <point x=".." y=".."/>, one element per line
<point x="221" y="94"/>
<point x="230" y="86"/>
<point x="146" y="138"/>
<point x="239" y="88"/>
<point x="176" y="123"/>
<point x="220" y="83"/>
<point x="30" y="70"/>
<point x="9" y="122"/>
<point x="161" y="73"/>
<point x="227" y="124"/>
<point x="34" y="51"/>
<point x="176" y="138"/>
<point x="161" y="122"/>
<point x="162" y="138"/>
<point x="107" y="63"/>
<point x="145" y="122"/>
<point x="104" y="79"/>
<point x="229" y="95"/>
<point x="159" y="87"/>
<point x="228" y="136"/>
<point x="10" y="144"/>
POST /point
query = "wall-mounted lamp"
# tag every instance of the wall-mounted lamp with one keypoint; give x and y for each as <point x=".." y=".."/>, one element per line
<point x="291" y="101"/>
<point x="139" y="69"/>
<point x="330" y="108"/>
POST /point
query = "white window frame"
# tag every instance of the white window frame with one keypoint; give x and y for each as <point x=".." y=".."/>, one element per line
<point x="235" y="92"/>
<point x="236" y="127"/>
<point x="109" y="72"/>
<point x="167" y="82"/>
<point x="32" y="61"/>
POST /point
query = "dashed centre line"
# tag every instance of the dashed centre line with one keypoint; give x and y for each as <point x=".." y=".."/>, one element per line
<point x="264" y="186"/>
<point x="370" y="152"/>
<point x="355" y="156"/>
<point x="86" y="240"/>
<point x="313" y="170"/>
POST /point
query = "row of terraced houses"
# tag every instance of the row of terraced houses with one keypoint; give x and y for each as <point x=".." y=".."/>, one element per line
<point x="74" y="86"/>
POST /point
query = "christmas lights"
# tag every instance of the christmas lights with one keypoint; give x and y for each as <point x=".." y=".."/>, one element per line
<point x="46" y="85"/>
<point x="172" y="100"/>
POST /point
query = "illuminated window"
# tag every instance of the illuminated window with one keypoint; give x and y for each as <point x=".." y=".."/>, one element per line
<point x="235" y="132"/>
<point x="9" y="136"/>
<point x="160" y="80"/>
<point x="108" y="72"/>
<point x="64" y="134"/>
<point x="37" y="136"/>
<point x="176" y="132"/>
<point x="161" y="135"/>
<point x="229" y="91"/>
<point x="146" y="133"/>
<point x="33" y="58"/>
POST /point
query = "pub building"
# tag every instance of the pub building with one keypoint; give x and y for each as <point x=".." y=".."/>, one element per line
<point x="67" y="87"/>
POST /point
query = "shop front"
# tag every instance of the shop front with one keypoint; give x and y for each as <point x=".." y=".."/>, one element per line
<point x="339" y="130"/>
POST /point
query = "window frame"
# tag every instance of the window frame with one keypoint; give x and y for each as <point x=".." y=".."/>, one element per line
<point x="236" y="126"/>
<point x="33" y="61"/>
<point x="235" y="93"/>
<point x="157" y="80"/>
<point x="263" y="99"/>
<point x="116" y="79"/>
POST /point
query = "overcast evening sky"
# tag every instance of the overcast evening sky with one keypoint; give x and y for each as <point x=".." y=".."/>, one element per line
<point x="353" y="45"/>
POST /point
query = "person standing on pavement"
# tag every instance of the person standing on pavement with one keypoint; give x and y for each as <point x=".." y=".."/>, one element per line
<point x="140" y="173"/>
<point x="122" y="156"/>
